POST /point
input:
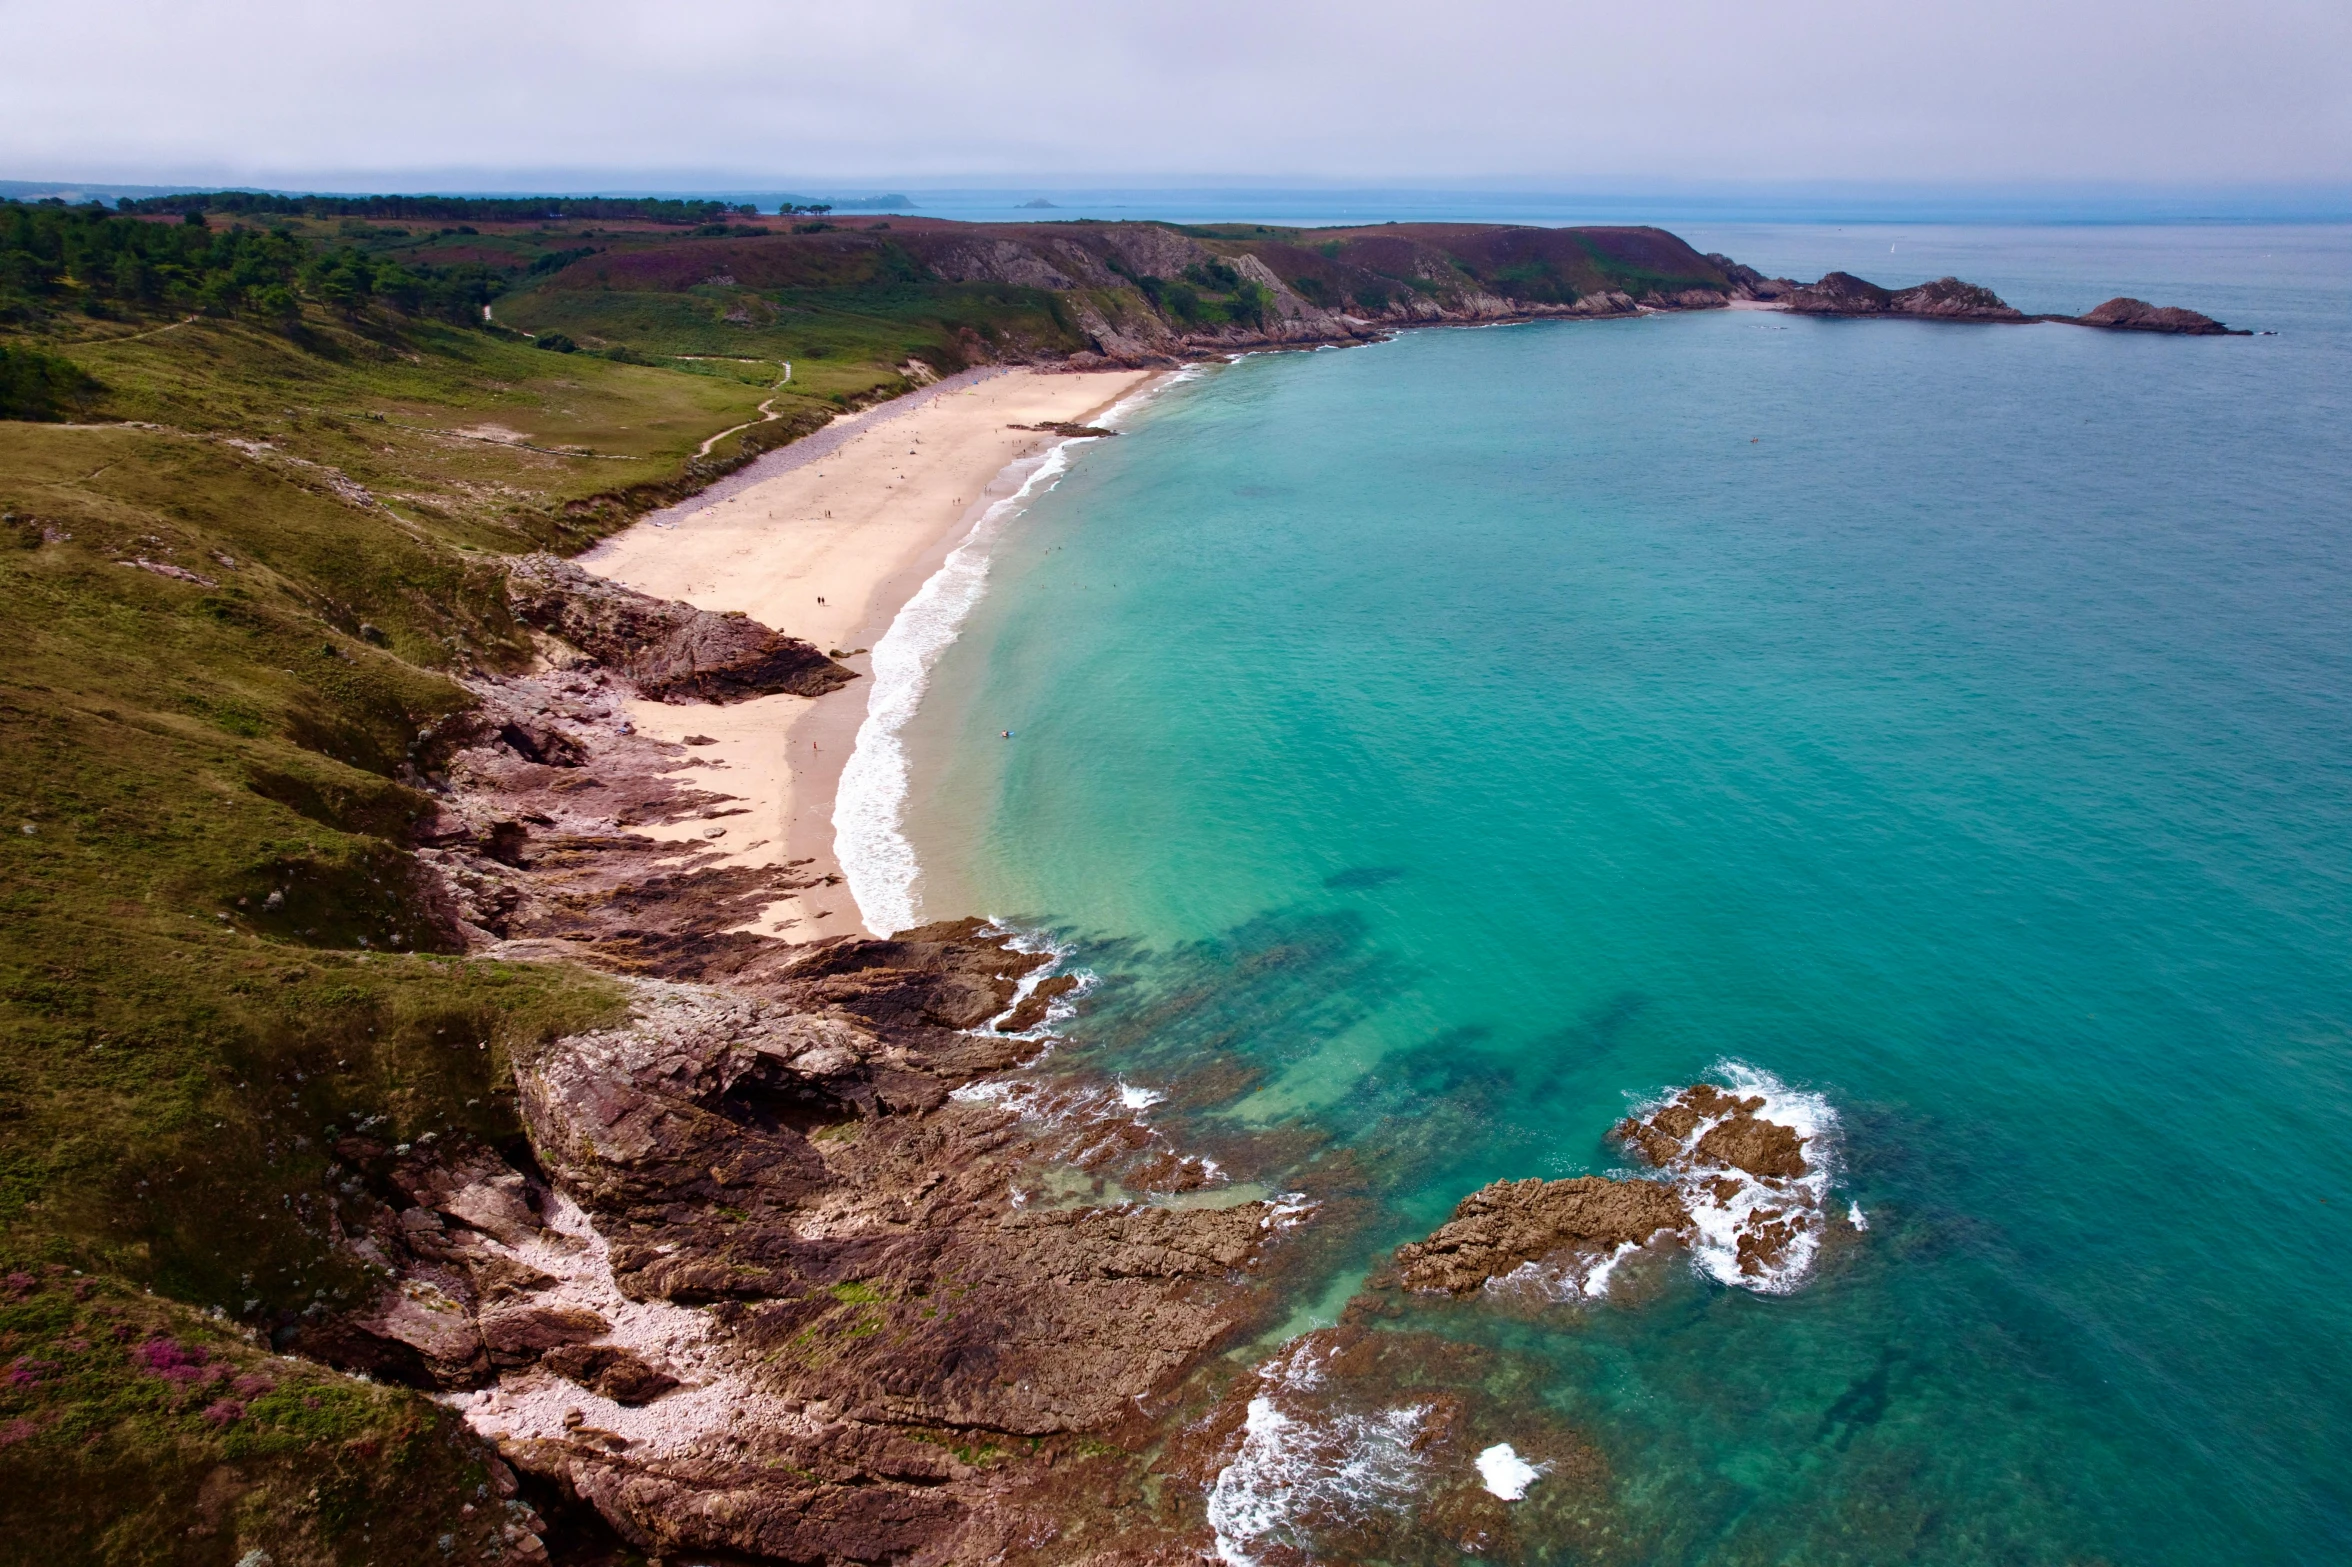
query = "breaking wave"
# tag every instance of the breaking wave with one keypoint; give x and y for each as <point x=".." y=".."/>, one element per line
<point x="1291" y="1473"/>
<point x="870" y="805"/>
<point x="1759" y="1232"/>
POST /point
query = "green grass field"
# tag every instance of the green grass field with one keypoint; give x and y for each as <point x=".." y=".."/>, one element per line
<point x="230" y="591"/>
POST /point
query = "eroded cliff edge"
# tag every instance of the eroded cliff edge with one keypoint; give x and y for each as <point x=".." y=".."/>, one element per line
<point x="771" y="1272"/>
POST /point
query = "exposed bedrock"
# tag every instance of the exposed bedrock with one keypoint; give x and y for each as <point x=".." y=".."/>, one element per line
<point x="1499" y="1227"/>
<point x="668" y="649"/>
<point x="2124" y="314"/>
<point x="1733" y="1136"/>
<point x="1946" y="299"/>
<point x="753" y="1278"/>
<point x="760" y="1275"/>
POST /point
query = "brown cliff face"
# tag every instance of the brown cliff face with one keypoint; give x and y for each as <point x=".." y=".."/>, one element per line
<point x="762" y="1277"/>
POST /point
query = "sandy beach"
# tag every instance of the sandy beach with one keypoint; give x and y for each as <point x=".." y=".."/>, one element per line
<point x="827" y="540"/>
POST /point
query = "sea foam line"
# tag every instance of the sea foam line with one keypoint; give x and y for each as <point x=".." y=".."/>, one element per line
<point x="870" y="805"/>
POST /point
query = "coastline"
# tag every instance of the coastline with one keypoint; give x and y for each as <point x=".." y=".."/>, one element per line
<point x="830" y="539"/>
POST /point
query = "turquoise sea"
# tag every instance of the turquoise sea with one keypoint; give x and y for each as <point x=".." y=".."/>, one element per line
<point x="1437" y="747"/>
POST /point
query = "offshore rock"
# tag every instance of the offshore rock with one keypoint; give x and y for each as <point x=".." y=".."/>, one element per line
<point x="1734" y="1137"/>
<point x="1753" y="1170"/>
<point x="2124" y="314"/>
<point x="1949" y="299"/>
<point x="1945" y="299"/>
<point x="669" y="650"/>
<point x="1499" y="1227"/>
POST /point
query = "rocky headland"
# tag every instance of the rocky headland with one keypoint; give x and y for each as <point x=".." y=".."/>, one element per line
<point x="781" y="1268"/>
<point x="1148" y="294"/>
<point x="1949" y="299"/>
<point x="771" y="1275"/>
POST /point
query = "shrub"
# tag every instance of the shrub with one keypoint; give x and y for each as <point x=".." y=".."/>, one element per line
<point x="34" y="385"/>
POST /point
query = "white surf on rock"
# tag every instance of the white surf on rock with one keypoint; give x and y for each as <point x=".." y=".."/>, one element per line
<point x="1505" y="1474"/>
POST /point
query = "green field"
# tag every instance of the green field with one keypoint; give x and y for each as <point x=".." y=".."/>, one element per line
<point x="232" y="582"/>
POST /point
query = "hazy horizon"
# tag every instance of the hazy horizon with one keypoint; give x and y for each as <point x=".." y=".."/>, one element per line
<point x="908" y="92"/>
<point x="1308" y="203"/>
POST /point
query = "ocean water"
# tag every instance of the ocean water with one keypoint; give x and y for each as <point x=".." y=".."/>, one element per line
<point x="1437" y="748"/>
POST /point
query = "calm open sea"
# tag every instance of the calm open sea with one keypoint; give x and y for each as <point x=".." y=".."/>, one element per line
<point x="1477" y="733"/>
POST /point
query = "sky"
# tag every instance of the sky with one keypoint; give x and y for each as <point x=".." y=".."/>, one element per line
<point x="499" y="95"/>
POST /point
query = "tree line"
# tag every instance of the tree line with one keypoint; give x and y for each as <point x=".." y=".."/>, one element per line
<point x="448" y="209"/>
<point x="56" y="257"/>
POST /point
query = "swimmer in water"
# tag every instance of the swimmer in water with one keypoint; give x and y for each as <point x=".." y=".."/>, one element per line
<point x="1008" y="734"/>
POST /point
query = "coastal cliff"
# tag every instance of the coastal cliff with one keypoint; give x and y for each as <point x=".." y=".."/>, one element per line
<point x="1143" y="294"/>
<point x="755" y="1284"/>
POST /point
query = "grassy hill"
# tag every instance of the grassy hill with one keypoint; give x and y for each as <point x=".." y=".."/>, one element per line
<point x="236" y="572"/>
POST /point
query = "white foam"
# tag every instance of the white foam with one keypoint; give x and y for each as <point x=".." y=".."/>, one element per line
<point x="1058" y="1010"/>
<point x="1116" y="415"/>
<point x="1854" y="1216"/>
<point x="1139" y="1099"/>
<point x="1596" y="1280"/>
<point x="1504" y="1473"/>
<point x="1563" y="1278"/>
<point x="1719" y="1218"/>
<point x="870" y="804"/>
<point x="1290" y="1469"/>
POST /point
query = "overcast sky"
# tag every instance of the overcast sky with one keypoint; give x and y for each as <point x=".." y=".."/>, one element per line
<point x="495" y="94"/>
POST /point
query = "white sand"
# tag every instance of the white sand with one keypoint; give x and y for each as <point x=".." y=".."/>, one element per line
<point x="831" y="550"/>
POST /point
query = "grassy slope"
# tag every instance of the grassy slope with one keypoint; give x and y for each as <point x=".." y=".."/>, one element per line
<point x="174" y="1054"/>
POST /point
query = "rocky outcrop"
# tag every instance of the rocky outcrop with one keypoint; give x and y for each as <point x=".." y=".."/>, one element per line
<point x="1749" y="284"/>
<point x="792" y="1264"/>
<point x="1945" y="299"/>
<point x="2124" y="314"/>
<point x="1500" y="1227"/>
<point x="1733" y="1136"/>
<point x="1949" y="299"/>
<point x="1754" y="1176"/>
<point x="767" y="1274"/>
<point x="669" y="650"/>
<point x="1744" y="1182"/>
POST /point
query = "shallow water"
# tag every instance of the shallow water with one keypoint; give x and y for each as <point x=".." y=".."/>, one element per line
<point x="1475" y="734"/>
